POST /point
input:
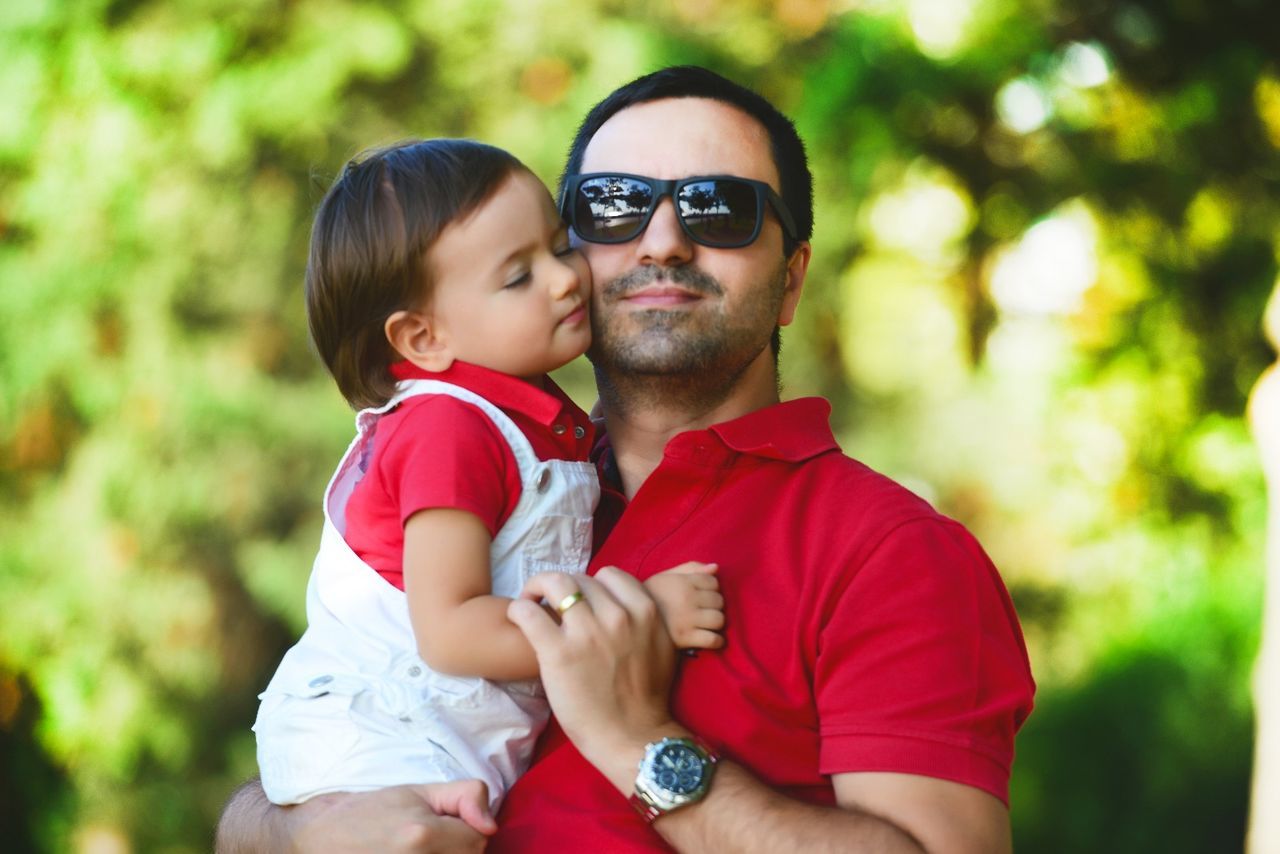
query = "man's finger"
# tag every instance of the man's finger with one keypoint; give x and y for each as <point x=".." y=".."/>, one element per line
<point x="466" y="799"/>
<point x="626" y="590"/>
<point x="536" y="623"/>
<point x="552" y="586"/>
<point x="447" y="833"/>
<point x="475" y="812"/>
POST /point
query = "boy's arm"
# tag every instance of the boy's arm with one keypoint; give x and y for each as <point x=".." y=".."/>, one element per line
<point x="461" y="628"/>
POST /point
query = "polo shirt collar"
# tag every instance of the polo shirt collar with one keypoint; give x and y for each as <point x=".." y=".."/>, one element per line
<point x="793" y="431"/>
<point x="502" y="390"/>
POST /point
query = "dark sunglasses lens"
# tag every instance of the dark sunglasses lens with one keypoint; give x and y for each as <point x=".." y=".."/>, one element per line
<point x="611" y="209"/>
<point x="719" y="212"/>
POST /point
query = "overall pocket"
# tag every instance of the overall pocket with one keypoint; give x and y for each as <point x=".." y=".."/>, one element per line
<point x="556" y="543"/>
<point x="304" y="732"/>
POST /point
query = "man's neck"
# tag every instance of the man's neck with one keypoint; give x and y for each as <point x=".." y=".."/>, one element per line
<point x="642" y="414"/>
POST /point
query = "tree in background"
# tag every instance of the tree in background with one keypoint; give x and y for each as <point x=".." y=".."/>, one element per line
<point x="1046" y="232"/>
<point x="1264" y="417"/>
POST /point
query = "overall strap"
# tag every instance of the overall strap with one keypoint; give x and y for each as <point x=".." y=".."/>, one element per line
<point x="526" y="459"/>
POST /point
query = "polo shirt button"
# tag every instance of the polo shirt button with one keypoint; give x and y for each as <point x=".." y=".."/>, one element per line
<point x="579" y="432"/>
<point x="319" y="680"/>
<point x="559" y="429"/>
<point x="544" y="480"/>
<point x="415" y="670"/>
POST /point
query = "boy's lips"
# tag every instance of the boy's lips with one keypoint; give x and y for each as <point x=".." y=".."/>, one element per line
<point x="576" y="316"/>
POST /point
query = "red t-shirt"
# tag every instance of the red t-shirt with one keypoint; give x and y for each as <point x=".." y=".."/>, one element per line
<point x="865" y="632"/>
<point x="436" y="451"/>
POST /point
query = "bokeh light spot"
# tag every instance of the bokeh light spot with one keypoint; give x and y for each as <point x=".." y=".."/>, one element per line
<point x="1050" y="268"/>
<point x="1023" y="105"/>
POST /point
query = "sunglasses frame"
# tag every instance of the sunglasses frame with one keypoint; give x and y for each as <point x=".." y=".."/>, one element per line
<point x="763" y="192"/>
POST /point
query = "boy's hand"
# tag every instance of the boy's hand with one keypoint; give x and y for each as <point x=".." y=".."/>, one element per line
<point x="690" y="603"/>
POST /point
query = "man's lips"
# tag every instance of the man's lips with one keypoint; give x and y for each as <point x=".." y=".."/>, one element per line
<point x="660" y="296"/>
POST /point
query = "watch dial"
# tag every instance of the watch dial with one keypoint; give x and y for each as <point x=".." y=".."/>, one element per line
<point x="678" y="769"/>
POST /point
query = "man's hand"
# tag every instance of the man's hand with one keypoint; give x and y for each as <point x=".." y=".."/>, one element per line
<point x="432" y="817"/>
<point x="606" y="667"/>
<point x="689" y="600"/>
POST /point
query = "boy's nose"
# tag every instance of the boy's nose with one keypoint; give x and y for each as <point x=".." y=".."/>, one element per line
<point x="565" y="282"/>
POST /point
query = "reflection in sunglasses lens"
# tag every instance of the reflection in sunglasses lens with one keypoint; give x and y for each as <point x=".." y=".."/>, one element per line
<point x="613" y="208"/>
<point x="718" y="212"/>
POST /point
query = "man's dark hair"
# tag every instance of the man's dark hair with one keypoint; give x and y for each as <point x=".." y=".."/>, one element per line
<point x="369" y="243"/>
<point x="691" y="81"/>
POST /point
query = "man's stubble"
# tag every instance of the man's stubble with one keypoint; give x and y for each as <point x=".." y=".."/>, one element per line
<point x="680" y="358"/>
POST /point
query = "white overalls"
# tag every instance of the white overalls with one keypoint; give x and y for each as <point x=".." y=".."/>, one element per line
<point x="352" y="706"/>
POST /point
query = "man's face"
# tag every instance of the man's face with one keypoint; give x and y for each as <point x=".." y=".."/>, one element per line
<point x="663" y="304"/>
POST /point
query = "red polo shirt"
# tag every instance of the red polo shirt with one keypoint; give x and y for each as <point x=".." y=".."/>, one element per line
<point x="865" y="632"/>
<point x="435" y="451"/>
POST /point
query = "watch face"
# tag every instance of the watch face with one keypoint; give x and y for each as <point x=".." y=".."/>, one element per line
<point x="678" y="768"/>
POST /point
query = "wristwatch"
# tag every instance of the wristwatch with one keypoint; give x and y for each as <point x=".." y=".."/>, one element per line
<point x="675" y="772"/>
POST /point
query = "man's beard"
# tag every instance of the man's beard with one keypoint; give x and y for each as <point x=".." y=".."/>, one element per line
<point x="703" y="340"/>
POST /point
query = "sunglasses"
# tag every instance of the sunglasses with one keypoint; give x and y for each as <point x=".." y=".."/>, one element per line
<point x="722" y="211"/>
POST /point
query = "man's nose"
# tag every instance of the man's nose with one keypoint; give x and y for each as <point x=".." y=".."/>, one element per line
<point x="664" y="241"/>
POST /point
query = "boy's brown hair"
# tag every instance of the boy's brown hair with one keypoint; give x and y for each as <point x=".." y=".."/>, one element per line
<point x="369" y="243"/>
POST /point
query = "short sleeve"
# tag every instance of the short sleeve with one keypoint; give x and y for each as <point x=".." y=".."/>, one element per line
<point x="922" y="667"/>
<point x="444" y="453"/>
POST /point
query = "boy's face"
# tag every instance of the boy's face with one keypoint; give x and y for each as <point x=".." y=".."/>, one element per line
<point x="510" y="293"/>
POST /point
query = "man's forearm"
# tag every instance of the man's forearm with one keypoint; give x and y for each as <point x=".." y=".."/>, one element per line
<point x="742" y="814"/>
<point x="250" y="823"/>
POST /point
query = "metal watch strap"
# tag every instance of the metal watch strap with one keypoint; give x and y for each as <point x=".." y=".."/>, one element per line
<point x="647" y="811"/>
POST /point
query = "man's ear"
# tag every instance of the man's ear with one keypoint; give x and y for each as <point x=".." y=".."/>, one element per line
<point x="415" y="337"/>
<point x="797" y="268"/>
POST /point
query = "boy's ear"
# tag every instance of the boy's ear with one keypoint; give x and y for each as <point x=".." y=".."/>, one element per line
<point x="415" y="337"/>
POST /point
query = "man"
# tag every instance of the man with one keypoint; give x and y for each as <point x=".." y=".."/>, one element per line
<point x="873" y="674"/>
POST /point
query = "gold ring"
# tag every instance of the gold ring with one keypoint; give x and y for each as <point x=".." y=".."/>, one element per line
<point x="569" y="601"/>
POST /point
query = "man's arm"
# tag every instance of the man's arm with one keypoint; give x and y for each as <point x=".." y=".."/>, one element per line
<point x="877" y="812"/>
<point x="396" y="819"/>
<point x="607" y="670"/>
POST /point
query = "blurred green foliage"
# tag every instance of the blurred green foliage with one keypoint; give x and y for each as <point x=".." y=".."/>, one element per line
<point x="1046" y="232"/>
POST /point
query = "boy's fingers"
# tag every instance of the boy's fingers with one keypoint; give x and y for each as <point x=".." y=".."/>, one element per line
<point x="695" y="567"/>
<point x="710" y="599"/>
<point x="709" y="619"/>
<point x="701" y="639"/>
<point x="703" y="581"/>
